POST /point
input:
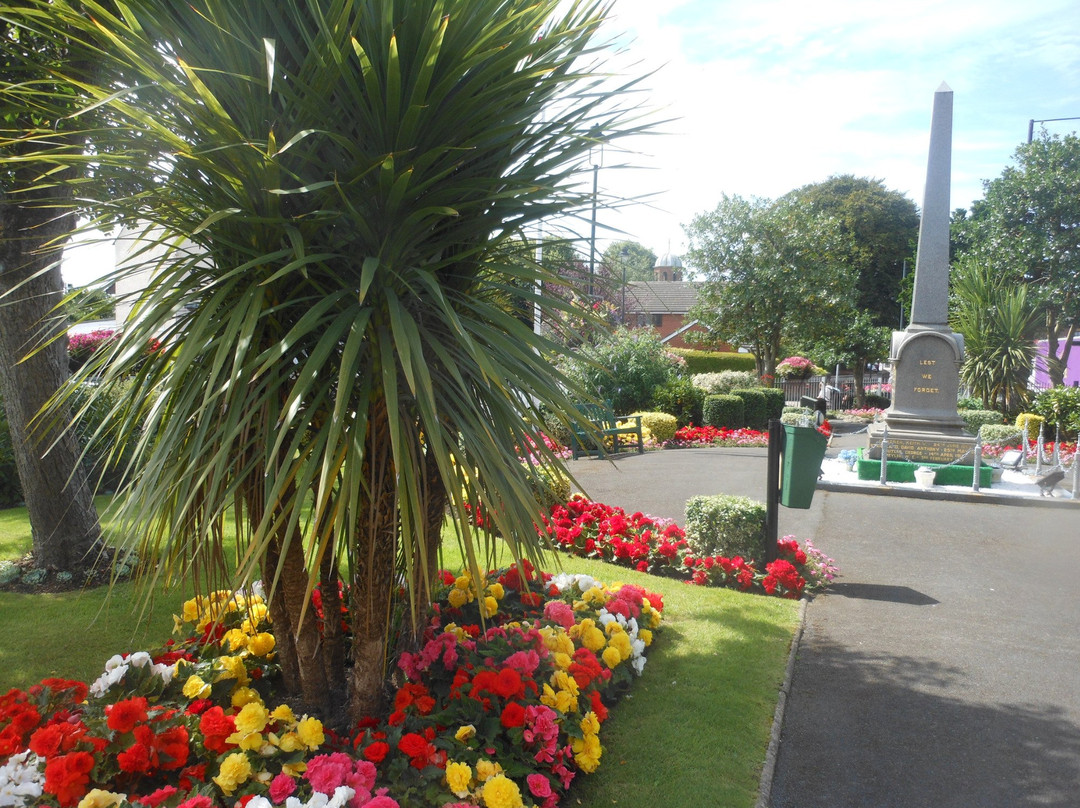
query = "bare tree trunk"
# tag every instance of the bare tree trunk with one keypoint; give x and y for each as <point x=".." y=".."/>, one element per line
<point x="859" y="372"/>
<point x="59" y="499"/>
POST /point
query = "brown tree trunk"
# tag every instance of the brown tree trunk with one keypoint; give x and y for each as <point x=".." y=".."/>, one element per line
<point x="63" y="521"/>
<point x="373" y="570"/>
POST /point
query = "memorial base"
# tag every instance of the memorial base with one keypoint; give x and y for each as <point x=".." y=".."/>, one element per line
<point x="921" y="446"/>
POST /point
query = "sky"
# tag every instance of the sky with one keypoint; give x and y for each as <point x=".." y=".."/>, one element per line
<point x="761" y="97"/>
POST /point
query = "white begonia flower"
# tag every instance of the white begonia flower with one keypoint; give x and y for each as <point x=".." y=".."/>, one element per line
<point x="115" y="661"/>
<point x="637" y="647"/>
<point x="166" y="672"/>
<point x="108" y="679"/>
<point x="585" y="582"/>
<point x="140" y="659"/>
<point x="342" y="795"/>
<point x="259" y="802"/>
<point x="632" y="627"/>
<point x="638" y="664"/>
<point x="21" y="780"/>
<point x="564" y="581"/>
<point x="605" y="617"/>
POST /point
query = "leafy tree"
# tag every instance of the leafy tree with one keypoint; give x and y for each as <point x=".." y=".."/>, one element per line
<point x="881" y="228"/>
<point x="340" y="194"/>
<point x="997" y="323"/>
<point x="33" y="348"/>
<point x="638" y="261"/>
<point x="854" y="342"/>
<point x="1027" y="228"/>
<point x="772" y="270"/>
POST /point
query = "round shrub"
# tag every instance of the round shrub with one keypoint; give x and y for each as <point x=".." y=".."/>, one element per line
<point x="725" y="525"/>
<point x="660" y="425"/>
<point x="878" y="401"/>
<point x="774" y="402"/>
<point x="974" y="419"/>
<point x="725" y="381"/>
<point x="1028" y="422"/>
<point x="724" y="411"/>
<point x="679" y="396"/>
<point x="623" y="367"/>
<point x="1000" y="434"/>
<point x="1060" y="406"/>
<point x="756" y="407"/>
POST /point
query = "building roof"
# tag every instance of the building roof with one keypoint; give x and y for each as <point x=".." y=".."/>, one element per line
<point x="661" y="297"/>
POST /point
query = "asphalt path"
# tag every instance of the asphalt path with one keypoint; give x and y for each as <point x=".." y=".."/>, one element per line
<point x="942" y="669"/>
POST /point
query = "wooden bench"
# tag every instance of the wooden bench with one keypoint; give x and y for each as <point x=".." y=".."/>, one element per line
<point x="603" y="423"/>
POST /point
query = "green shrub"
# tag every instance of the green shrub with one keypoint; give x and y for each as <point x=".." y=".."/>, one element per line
<point x="722" y="383"/>
<point x="1000" y="434"/>
<point x="969" y="403"/>
<point x="1029" y="422"/>
<point x="661" y="425"/>
<point x="715" y="361"/>
<point x="549" y="487"/>
<point x="679" y="396"/>
<point x="555" y="428"/>
<point x="796" y="416"/>
<point x="878" y="401"/>
<point x="623" y="367"/>
<point x="1060" y="406"/>
<point x="755" y="407"/>
<point x="774" y="402"/>
<point x="721" y="411"/>
<point x="725" y="525"/>
<point x="974" y="419"/>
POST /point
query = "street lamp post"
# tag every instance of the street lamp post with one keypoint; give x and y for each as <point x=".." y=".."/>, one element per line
<point x="1033" y="121"/>
<point x="623" y="255"/>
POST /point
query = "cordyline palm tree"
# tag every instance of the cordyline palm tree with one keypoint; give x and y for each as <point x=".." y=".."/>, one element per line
<point x="339" y="189"/>
<point x="998" y="323"/>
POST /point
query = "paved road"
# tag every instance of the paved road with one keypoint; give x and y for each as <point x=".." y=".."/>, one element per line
<point x="942" y="670"/>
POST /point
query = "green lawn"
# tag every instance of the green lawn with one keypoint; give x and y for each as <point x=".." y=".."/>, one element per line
<point x="696" y="723"/>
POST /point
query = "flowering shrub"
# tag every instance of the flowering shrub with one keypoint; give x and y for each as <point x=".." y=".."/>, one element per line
<point x="697" y="436"/>
<point x="866" y="414"/>
<point x="647" y="544"/>
<point x="504" y="712"/>
<point x="1066" y="451"/>
<point x="795" y="367"/>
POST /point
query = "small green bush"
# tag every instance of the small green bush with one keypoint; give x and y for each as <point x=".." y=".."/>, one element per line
<point x="969" y="403"/>
<point x="878" y="401"/>
<point x="796" y="416"/>
<point x="722" y="383"/>
<point x="1060" y="406"/>
<point x="661" y="425"/>
<point x="725" y="525"/>
<point x="756" y="407"/>
<point x="1000" y="434"/>
<point x="679" y="396"/>
<point x="1029" y="422"/>
<point x="715" y="361"/>
<point x="721" y="411"/>
<point x="974" y="419"/>
<point x="624" y="367"/>
<point x="774" y="402"/>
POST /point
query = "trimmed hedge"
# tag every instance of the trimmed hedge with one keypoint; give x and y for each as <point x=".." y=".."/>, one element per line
<point x="660" y="425"/>
<point x="679" y="397"/>
<point x="725" y="525"/>
<point x="1029" y="422"/>
<point x="756" y="407"/>
<point x="715" y="361"/>
<point x="774" y="403"/>
<point x="722" y="383"/>
<point x="975" y="419"/>
<point x="721" y="411"/>
<point x="1000" y="434"/>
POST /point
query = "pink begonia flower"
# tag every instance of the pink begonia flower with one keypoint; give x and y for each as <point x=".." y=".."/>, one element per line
<point x="327" y="772"/>
<point x="539" y="785"/>
<point x="559" y="612"/>
<point x="281" y="788"/>
<point x="524" y="662"/>
<point x="382" y="801"/>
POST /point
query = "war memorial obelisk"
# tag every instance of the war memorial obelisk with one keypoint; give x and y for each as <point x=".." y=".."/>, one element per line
<point x="922" y="422"/>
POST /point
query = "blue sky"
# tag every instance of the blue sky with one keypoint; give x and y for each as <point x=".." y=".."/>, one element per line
<point x="770" y="95"/>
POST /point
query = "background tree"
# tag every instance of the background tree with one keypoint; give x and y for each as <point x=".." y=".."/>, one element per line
<point x="341" y="191"/>
<point x="998" y="324"/>
<point x="638" y="261"/>
<point x="772" y="270"/>
<point x="880" y="229"/>
<point x="36" y="217"/>
<point x="1027" y="228"/>
<point x="854" y="341"/>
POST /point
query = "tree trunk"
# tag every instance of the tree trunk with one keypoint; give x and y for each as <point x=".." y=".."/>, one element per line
<point x="859" y="373"/>
<point x="63" y="522"/>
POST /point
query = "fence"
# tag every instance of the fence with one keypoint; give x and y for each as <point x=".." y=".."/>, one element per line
<point x="838" y="391"/>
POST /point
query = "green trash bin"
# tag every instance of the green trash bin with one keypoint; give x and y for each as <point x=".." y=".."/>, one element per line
<point x="804" y="449"/>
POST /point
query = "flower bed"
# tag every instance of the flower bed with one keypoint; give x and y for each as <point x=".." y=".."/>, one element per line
<point x="503" y="712"/>
<point x="1067" y="451"/>
<point x="647" y="544"/>
<point x="698" y="436"/>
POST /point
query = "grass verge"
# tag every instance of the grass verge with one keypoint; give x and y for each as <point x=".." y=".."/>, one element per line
<point x="697" y="723"/>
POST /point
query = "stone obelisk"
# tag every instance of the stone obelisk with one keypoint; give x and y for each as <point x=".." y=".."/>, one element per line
<point x="923" y="424"/>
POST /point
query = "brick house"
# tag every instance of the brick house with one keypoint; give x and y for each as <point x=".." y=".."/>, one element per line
<point x="663" y="303"/>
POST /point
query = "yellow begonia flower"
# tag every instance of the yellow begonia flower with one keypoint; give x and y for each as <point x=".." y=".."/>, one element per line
<point x="253" y="717"/>
<point x="491" y="607"/>
<point x="232" y="667"/>
<point x="283" y="712"/>
<point x="587" y="752"/>
<point x="196" y="688"/>
<point x="611" y="657"/>
<point x="192" y="611"/>
<point x="290" y="742"/>
<point x="502" y="792"/>
<point x="458" y="777"/>
<point x="235" y="639"/>
<point x="457" y="598"/>
<point x="486" y="769"/>
<point x="562" y="661"/>
<point x="594" y="595"/>
<point x="496" y="591"/>
<point x="234" y="772"/>
<point x="294" y="770"/>
<point x="261" y="644"/>
<point x="645" y="636"/>
<point x="590" y="724"/>
<point x="465" y="733"/>
<point x="593" y="638"/>
<point x="310" y="731"/>
<point x="99" y="798"/>
<point x="620" y="641"/>
<point x="244" y="696"/>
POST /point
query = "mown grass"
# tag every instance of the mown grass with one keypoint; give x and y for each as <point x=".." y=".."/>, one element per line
<point x="692" y="732"/>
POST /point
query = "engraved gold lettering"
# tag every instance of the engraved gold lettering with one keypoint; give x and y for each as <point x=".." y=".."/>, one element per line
<point x="928" y="375"/>
<point x="927" y="361"/>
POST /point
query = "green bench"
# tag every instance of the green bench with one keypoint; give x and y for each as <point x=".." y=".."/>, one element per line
<point x="603" y="423"/>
